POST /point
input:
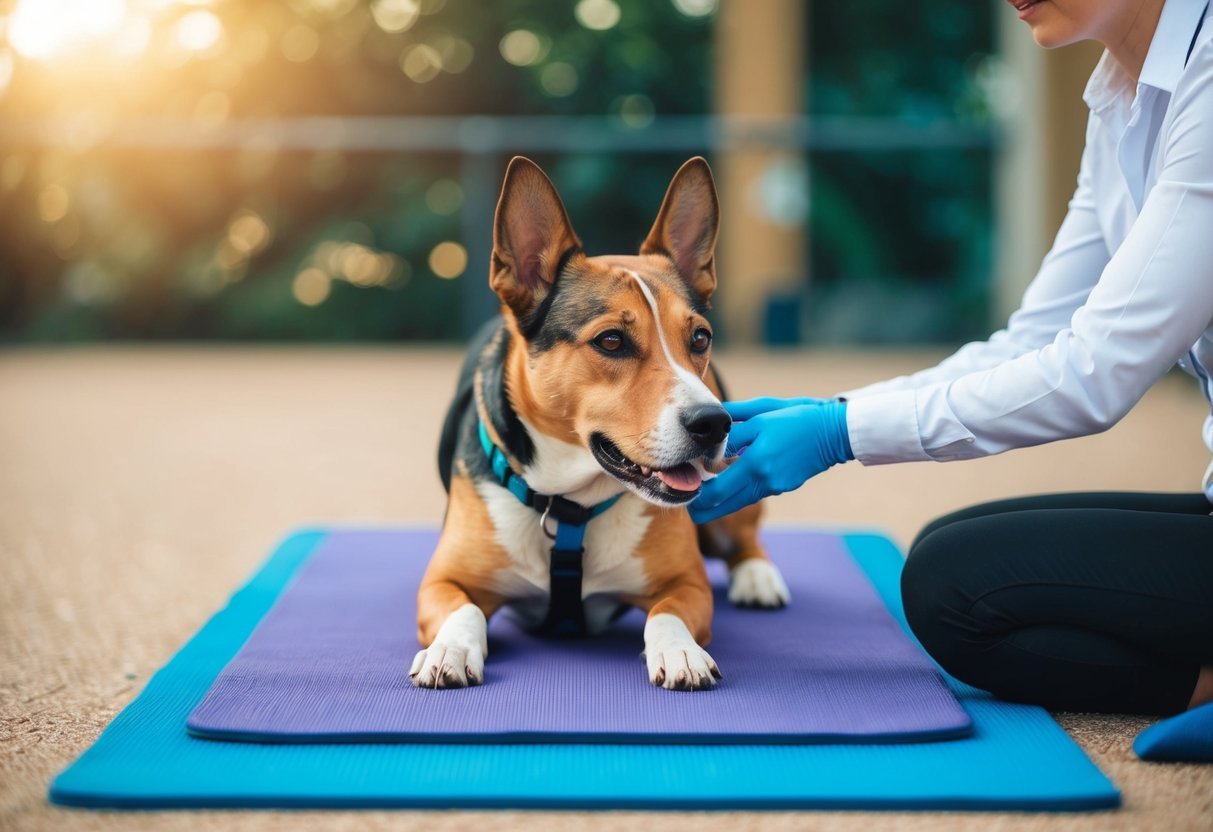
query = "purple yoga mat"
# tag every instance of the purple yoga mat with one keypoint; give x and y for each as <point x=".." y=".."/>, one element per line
<point x="330" y="661"/>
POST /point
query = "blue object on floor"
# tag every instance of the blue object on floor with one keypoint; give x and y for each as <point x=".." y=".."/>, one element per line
<point x="1186" y="738"/>
<point x="1017" y="759"/>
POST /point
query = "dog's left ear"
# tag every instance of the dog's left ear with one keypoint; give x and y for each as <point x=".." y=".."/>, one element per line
<point x="686" y="226"/>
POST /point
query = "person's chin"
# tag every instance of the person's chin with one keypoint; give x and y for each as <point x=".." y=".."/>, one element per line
<point x="1052" y="37"/>
<point x="1050" y="29"/>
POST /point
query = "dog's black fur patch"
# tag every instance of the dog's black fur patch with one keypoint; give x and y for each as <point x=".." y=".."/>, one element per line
<point x="567" y="313"/>
<point x="532" y="324"/>
<point x="460" y="432"/>
<point x="561" y="313"/>
<point x="688" y="294"/>
<point x="514" y="438"/>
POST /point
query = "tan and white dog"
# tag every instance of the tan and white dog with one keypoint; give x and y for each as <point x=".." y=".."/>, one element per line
<point x="594" y="383"/>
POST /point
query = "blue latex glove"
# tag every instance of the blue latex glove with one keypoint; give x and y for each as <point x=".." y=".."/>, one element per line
<point x="782" y="442"/>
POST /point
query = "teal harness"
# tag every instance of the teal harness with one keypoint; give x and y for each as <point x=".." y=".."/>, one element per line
<point x="566" y="614"/>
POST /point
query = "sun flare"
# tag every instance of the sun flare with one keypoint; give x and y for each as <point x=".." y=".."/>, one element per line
<point x="43" y="29"/>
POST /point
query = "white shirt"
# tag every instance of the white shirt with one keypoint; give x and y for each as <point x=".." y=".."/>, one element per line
<point x="1125" y="293"/>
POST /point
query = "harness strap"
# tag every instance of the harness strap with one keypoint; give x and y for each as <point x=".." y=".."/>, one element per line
<point x="566" y="613"/>
<point x="1200" y="24"/>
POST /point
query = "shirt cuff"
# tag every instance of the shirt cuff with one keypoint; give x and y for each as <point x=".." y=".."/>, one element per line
<point x="883" y="428"/>
<point x="888" y="386"/>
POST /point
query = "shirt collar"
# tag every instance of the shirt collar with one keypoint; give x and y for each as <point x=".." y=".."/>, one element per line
<point x="1164" y="60"/>
<point x="1169" y="48"/>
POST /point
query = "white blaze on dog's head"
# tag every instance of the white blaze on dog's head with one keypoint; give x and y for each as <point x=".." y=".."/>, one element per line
<point x="688" y="395"/>
<point x="610" y="353"/>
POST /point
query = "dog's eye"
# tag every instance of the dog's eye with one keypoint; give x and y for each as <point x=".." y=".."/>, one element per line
<point x="701" y="340"/>
<point x="609" y="341"/>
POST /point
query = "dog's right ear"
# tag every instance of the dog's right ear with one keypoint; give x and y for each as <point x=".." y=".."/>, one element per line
<point x="686" y="226"/>
<point x="531" y="235"/>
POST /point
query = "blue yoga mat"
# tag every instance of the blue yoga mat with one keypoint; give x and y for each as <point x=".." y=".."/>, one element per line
<point x="1017" y="757"/>
<point x="330" y="661"/>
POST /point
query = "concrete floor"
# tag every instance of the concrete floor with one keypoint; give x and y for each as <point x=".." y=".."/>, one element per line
<point x="140" y="486"/>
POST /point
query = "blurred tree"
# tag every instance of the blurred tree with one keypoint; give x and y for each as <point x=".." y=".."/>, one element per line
<point x="268" y="242"/>
<point x="263" y="241"/>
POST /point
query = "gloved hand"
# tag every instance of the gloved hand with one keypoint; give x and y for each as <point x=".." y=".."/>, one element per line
<point x="782" y="443"/>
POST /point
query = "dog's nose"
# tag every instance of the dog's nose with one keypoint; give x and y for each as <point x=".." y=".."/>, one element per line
<point x="708" y="424"/>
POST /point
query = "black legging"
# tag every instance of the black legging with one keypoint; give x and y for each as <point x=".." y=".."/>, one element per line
<point x="1078" y="602"/>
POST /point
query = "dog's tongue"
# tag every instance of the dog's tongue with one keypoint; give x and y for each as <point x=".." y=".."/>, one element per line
<point x="682" y="478"/>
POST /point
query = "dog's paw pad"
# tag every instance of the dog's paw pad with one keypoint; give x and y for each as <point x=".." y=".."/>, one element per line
<point x="447" y="666"/>
<point x="756" y="582"/>
<point x="681" y="666"/>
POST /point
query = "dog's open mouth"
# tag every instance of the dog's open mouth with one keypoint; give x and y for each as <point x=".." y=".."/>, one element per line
<point x="668" y="486"/>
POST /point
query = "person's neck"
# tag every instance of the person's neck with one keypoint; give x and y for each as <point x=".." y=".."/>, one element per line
<point x="1129" y="41"/>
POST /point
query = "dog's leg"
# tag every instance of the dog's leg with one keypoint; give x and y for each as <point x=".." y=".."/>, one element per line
<point x="457" y="634"/>
<point x="678" y="625"/>
<point x="753" y="580"/>
<point x="455" y="599"/>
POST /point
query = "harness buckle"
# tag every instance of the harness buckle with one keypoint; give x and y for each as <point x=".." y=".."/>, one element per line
<point x="543" y="521"/>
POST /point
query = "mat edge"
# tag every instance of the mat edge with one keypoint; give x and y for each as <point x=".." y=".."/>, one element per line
<point x="527" y="738"/>
<point x="974" y="805"/>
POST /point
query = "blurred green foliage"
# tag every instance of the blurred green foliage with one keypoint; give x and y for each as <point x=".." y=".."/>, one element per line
<point x="264" y="242"/>
<point x="901" y="241"/>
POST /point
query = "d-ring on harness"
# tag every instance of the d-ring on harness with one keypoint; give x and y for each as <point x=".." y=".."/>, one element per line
<point x="566" y="614"/>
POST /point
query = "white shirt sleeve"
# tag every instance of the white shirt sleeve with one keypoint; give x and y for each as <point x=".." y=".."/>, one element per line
<point x="1152" y="301"/>
<point x="1065" y="278"/>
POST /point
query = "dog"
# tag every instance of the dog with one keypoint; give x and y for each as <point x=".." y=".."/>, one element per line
<point x="585" y="419"/>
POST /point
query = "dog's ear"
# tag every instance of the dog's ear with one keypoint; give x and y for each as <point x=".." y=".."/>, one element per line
<point x="531" y="235"/>
<point x="686" y="226"/>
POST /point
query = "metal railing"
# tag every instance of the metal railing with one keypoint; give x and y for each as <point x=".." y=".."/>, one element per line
<point x="485" y="142"/>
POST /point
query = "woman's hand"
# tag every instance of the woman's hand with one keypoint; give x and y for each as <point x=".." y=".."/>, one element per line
<point x="780" y="443"/>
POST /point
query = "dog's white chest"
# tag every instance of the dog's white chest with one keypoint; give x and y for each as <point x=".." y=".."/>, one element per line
<point x="610" y="566"/>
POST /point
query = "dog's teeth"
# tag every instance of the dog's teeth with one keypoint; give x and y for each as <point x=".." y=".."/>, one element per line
<point x="645" y="470"/>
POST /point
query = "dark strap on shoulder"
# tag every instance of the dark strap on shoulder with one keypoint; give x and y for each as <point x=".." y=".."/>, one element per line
<point x="1199" y="25"/>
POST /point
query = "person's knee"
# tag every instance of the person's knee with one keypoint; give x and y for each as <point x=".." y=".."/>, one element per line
<point x="967" y="515"/>
<point x="921" y="587"/>
<point x="933" y="599"/>
<point x="930" y="528"/>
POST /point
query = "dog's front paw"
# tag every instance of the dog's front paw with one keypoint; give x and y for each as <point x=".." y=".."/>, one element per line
<point x="675" y="661"/>
<point x="685" y="666"/>
<point x="756" y="582"/>
<point x="455" y="659"/>
<point x="447" y="666"/>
